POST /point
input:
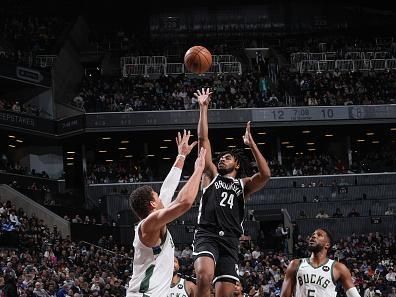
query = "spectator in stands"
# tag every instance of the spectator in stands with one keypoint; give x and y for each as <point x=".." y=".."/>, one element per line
<point x="338" y="213"/>
<point x="256" y="253"/>
<point x="79" y="101"/>
<point x="316" y="199"/>
<point x="10" y="288"/>
<point x="14" y="219"/>
<point x="302" y="214"/>
<point x="39" y="291"/>
<point x="391" y="275"/>
<point x="353" y="213"/>
<point x="393" y="292"/>
<point x="2" y="209"/>
<point x="34" y="187"/>
<point x="77" y="219"/>
<point x="389" y="211"/>
<point x="16" y="107"/>
<point x="340" y="167"/>
<point x="322" y="215"/>
<point x="187" y="252"/>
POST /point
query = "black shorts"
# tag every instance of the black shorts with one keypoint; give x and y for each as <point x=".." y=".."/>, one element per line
<point x="223" y="250"/>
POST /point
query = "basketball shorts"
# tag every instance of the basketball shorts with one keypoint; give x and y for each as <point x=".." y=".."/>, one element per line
<point x="222" y="249"/>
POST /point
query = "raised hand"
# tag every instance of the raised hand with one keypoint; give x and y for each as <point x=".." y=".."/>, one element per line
<point x="200" y="161"/>
<point x="183" y="147"/>
<point x="203" y="96"/>
<point x="248" y="138"/>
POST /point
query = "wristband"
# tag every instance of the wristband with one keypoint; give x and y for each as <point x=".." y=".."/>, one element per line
<point x="352" y="292"/>
<point x="181" y="156"/>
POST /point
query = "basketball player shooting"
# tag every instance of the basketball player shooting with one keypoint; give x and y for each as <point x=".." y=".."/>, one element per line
<point x="154" y="248"/>
<point x="221" y="210"/>
<point x="317" y="275"/>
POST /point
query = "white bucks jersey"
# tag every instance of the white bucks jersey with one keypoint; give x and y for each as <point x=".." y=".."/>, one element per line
<point x="179" y="289"/>
<point x="152" y="268"/>
<point x="315" y="282"/>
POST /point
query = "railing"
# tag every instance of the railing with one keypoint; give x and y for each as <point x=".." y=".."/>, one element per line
<point x="26" y="181"/>
<point x="346" y="65"/>
<point x="345" y="227"/>
<point x="290" y="183"/>
<point x="158" y="65"/>
<point x="45" y="61"/>
<point x="311" y="209"/>
<point x="178" y="68"/>
<point x="149" y="60"/>
<point x="297" y="57"/>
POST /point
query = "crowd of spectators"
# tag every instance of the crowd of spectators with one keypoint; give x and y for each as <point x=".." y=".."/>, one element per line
<point x="17" y="168"/>
<point x="246" y="91"/>
<point x="18" y="107"/>
<point x="252" y="89"/>
<point x="340" y="44"/>
<point x="119" y="172"/>
<point x="44" y="263"/>
<point x="338" y="88"/>
<point x="296" y="165"/>
<point x="22" y="37"/>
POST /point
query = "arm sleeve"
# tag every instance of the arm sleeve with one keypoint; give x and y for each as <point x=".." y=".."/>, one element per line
<point x="352" y="292"/>
<point x="169" y="185"/>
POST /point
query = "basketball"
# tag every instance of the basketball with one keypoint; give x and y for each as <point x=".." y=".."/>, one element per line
<point x="198" y="59"/>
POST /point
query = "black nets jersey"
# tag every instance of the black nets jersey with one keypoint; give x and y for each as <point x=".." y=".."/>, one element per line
<point x="222" y="206"/>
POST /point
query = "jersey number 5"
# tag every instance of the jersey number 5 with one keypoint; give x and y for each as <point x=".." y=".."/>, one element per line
<point x="311" y="293"/>
<point x="229" y="198"/>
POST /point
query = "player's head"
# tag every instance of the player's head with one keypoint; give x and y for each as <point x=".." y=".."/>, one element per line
<point x="232" y="162"/>
<point x="144" y="200"/>
<point x="238" y="289"/>
<point x="320" y="239"/>
<point x="176" y="266"/>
